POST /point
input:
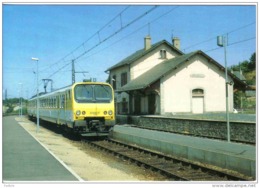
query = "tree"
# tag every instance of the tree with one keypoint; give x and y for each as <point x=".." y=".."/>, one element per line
<point x="246" y="66"/>
<point x="251" y="64"/>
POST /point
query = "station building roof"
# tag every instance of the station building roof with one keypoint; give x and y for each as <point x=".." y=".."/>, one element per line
<point x="154" y="74"/>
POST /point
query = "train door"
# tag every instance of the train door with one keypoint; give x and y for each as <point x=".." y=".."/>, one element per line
<point x="62" y="109"/>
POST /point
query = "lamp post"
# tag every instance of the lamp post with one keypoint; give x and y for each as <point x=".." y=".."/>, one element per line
<point x="37" y="105"/>
<point x="21" y="100"/>
<point x="222" y="42"/>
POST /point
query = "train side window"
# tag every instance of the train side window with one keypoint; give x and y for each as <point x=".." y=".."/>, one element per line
<point x="57" y="101"/>
<point x="69" y="94"/>
<point x="51" y="103"/>
<point x="54" y="102"/>
<point x="62" y="101"/>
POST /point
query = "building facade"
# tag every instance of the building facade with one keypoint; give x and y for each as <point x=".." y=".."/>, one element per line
<point x="160" y="79"/>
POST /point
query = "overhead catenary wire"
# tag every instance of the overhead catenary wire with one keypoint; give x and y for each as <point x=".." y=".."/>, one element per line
<point x="136" y="30"/>
<point x="214" y="38"/>
<point x="204" y="41"/>
<point x="230" y="44"/>
<point x="101" y="41"/>
<point x="92" y="36"/>
<point x="85" y="51"/>
<point x="119" y="30"/>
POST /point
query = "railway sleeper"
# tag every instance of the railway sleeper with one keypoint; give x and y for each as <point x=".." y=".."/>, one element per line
<point x="173" y="167"/>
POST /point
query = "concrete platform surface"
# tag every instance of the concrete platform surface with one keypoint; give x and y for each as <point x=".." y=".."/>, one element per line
<point x="24" y="159"/>
<point x="233" y="156"/>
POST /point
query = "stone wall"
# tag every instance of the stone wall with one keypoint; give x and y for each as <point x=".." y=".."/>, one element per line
<point x="239" y="131"/>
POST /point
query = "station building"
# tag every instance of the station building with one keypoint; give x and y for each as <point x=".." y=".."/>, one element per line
<point x="160" y="79"/>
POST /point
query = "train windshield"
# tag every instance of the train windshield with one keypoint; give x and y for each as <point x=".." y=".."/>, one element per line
<point x="85" y="93"/>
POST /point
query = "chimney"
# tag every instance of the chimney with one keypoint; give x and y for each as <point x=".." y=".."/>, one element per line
<point x="176" y="43"/>
<point x="147" y="42"/>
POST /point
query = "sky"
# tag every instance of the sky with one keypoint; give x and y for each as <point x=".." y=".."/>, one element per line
<point x="99" y="36"/>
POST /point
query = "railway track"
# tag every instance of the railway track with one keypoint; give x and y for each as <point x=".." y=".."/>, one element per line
<point x="174" y="168"/>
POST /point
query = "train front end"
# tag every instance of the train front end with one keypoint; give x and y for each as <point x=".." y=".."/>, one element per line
<point x="93" y="108"/>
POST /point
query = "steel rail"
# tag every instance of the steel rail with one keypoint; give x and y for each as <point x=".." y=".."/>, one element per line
<point x="170" y="166"/>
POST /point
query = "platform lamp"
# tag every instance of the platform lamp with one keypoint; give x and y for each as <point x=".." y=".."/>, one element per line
<point x="21" y="101"/>
<point x="37" y="105"/>
<point x="222" y="42"/>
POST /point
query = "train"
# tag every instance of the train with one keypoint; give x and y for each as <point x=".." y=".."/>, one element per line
<point x="85" y="108"/>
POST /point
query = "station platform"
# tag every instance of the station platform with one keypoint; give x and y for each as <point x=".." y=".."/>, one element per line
<point x="24" y="159"/>
<point x="233" y="156"/>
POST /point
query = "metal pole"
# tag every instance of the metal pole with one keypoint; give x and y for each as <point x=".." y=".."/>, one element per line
<point x="20" y="105"/>
<point x="73" y="72"/>
<point x="21" y="102"/>
<point x="222" y="41"/>
<point x="21" y="99"/>
<point x="226" y="80"/>
<point x="37" y="130"/>
<point x="37" y="106"/>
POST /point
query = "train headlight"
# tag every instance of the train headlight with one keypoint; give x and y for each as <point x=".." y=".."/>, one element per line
<point x="105" y="112"/>
<point x="110" y="112"/>
<point x="78" y="112"/>
<point x="83" y="112"/>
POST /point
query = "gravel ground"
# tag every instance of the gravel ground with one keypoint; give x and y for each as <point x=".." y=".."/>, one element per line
<point x="86" y="162"/>
<point x="219" y="116"/>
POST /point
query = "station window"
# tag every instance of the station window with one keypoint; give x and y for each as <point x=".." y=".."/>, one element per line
<point x="123" y="79"/>
<point x="197" y="92"/>
<point x="114" y="82"/>
<point x="163" y="54"/>
<point x="124" y="106"/>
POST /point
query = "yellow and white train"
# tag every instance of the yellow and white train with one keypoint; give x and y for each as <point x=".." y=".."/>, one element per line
<point x="86" y="108"/>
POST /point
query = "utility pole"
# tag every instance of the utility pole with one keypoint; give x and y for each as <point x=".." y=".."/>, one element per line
<point x="5" y="94"/>
<point x="21" y="100"/>
<point x="45" y="82"/>
<point x="222" y="42"/>
<point x="38" y="102"/>
<point x="73" y="71"/>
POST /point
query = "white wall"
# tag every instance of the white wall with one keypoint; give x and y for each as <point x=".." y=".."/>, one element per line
<point x="136" y="69"/>
<point x="150" y="60"/>
<point x="196" y="73"/>
<point x="118" y="73"/>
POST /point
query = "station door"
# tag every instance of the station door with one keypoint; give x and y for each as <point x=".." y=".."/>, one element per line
<point x="197" y="105"/>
